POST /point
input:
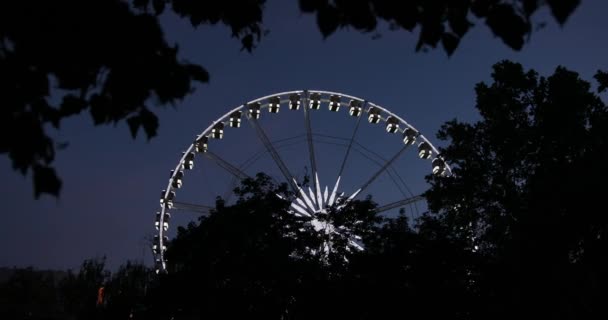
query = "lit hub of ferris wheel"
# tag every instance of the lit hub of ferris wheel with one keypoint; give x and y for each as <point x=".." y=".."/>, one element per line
<point x="316" y="201"/>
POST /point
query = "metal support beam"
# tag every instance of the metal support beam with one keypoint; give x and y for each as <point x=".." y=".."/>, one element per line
<point x="382" y="169"/>
<point x="399" y="203"/>
<point x="227" y="166"/>
<point x="311" y="147"/>
<point x="352" y="138"/>
<point x="192" y="207"/>
<point x="273" y="153"/>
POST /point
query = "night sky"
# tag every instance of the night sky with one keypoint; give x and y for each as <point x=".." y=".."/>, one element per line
<point x="112" y="182"/>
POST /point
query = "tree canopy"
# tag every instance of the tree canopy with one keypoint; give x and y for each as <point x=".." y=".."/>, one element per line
<point x="527" y="192"/>
<point x="254" y="259"/>
<point x="61" y="58"/>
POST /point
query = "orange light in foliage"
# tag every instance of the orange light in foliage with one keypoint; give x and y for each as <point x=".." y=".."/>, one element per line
<point x="100" y="295"/>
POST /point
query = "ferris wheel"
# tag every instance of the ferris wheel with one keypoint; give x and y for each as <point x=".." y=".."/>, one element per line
<point x="341" y="144"/>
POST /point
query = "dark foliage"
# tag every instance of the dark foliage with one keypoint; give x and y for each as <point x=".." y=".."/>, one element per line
<point x="78" y="291"/>
<point x="244" y="17"/>
<point x="253" y="259"/>
<point x="528" y="192"/>
<point x="29" y="294"/>
<point x="60" y="58"/>
<point x="445" y="21"/>
<point x="34" y="294"/>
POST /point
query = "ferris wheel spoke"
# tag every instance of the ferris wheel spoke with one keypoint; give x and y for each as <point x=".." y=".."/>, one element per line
<point x="379" y="160"/>
<point x="274" y="154"/>
<point x="392" y="173"/>
<point x="374" y="157"/>
<point x="379" y="172"/>
<point x="399" y="203"/>
<point x="350" y="144"/>
<point x="227" y="166"/>
<point x="311" y="146"/>
<point x="184" y="206"/>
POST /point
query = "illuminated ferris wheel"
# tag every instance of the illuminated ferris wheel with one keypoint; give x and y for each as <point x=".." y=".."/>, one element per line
<point x="337" y="146"/>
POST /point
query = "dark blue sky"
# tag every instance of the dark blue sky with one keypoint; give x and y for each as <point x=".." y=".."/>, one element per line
<point x="112" y="183"/>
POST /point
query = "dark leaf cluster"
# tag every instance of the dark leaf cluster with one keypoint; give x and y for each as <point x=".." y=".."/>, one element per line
<point x="528" y="191"/>
<point x="439" y="21"/>
<point x="60" y="58"/>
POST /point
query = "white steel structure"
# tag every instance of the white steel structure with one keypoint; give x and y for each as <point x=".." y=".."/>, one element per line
<point x="307" y="203"/>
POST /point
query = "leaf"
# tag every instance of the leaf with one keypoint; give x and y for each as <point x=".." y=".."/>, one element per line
<point x="530" y="6"/>
<point x="71" y="105"/>
<point x="562" y="9"/>
<point x="45" y="181"/>
<point x="328" y="20"/>
<point x="602" y="78"/>
<point x="312" y="5"/>
<point x="247" y="43"/>
<point x="149" y="121"/>
<point x="98" y="109"/>
<point x="450" y="42"/>
<point x="457" y="17"/>
<point x="481" y="8"/>
<point x="509" y="26"/>
<point x="159" y="6"/>
<point x="134" y="122"/>
<point x="141" y="4"/>
<point x="198" y="73"/>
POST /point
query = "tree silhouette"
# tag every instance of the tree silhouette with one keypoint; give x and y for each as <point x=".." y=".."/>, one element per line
<point x="63" y="57"/>
<point x="79" y="291"/>
<point x="253" y="259"/>
<point x="30" y="294"/>
<point x="445" y="21"/>
<point x="527" y="190"/>
<point x="126" y="291"/>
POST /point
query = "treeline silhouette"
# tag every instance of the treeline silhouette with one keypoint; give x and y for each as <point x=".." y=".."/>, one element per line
<point x="518" y="230"/>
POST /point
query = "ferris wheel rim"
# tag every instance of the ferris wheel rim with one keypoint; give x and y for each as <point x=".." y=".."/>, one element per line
<point x="162" y="239"/>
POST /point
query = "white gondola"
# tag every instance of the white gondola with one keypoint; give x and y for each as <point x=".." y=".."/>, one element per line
<point x="294" y="101"/>
<point x="274" y="104"/>
<point x="334" y="103"/>
<point x="409" y="136"/>
<point x="254" y="110"/>
<point x="392" y="125"/>
<point x="165" y="221"/>
<point x="167" y="201"/>
<point x="438" y="166"/>
<point x="177" y="179"/>
<point x="201" y="144"/>
<point x="315" y="101"/>
<point x="157" y="238"/>
<point x="424" y="150"/>
<point x="235" y="119"/>
<point x="374" y="115"/>
<point x="160" y="266"/>
<point x="354" y="108"/>
<point x="188" y="161"/>
<point x="217" y="132"/>
<point x="158" y="245"/>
